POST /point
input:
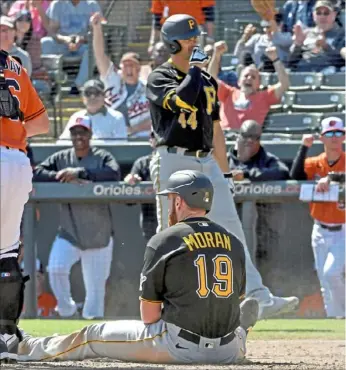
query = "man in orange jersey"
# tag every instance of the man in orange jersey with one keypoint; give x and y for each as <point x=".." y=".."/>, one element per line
<point x="328" y="234"/>
<point x="202" y="10"/>
<point x="22" y="115"/>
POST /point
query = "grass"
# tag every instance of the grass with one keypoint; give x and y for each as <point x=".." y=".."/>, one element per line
<point x="264" y="330"/>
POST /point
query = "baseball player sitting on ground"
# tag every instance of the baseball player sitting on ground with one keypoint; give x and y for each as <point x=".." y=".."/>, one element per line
<point x="328" y="233"/>
<point x="185" y="117"/>
<point x="192" y="281"/>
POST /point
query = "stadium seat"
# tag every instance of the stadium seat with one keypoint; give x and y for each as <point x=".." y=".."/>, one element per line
<point x="292" y="123"/>
<point x="335" y="81"/>
<point x="315" y="101"/>
<point x="340" y="115"/>
<point x="229" y="60"/>
<point x="266" y="80"/>
<point x="304" y="81"/>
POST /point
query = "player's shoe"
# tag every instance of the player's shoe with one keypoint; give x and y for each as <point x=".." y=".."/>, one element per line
<point x="248" y="313"/>
<point x="277" y="306"/>
<point x="8" y="348"/>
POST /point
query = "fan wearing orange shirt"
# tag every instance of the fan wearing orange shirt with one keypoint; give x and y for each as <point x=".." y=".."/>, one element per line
<point x="328" y="234"/>
<point x="202" y="10"/>
<point x="29" y="118"/>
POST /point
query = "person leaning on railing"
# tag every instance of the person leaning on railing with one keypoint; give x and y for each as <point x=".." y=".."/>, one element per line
<point x="328" y="234"/>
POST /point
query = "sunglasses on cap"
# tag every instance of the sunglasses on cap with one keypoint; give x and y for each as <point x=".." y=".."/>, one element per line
<point x="91" y="92"/>
<point x="330" y="134"/>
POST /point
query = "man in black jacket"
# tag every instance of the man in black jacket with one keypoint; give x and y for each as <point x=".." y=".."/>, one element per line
<point x="250" y="161"/>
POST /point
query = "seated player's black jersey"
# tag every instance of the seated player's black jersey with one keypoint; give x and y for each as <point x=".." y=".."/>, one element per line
<point x="175" y="122"/>
<point x="197" y="269"/>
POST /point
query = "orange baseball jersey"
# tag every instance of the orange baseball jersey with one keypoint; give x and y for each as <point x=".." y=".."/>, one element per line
<point x="190" y="7"/>
<point x="316" y="168"/>
<point x="12" y="131"/>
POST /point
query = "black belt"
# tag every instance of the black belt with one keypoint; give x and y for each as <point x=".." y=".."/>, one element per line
<point x="332" y="228"/>
<point x="8" y="147"/>
<point x="195" y="338"/>
<point x="190" y="153"/>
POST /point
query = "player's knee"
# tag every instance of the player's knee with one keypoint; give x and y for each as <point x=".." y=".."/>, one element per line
<point x="333" y="275"/>
<point x="55" y="268"/>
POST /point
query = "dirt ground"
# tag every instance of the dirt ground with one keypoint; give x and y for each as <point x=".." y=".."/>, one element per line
<point x="273" y="355"/>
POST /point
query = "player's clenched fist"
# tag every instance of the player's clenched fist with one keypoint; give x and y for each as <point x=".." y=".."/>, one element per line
<point x="323" y="184"/>
<point x="96" y="19"/>
<point x="220" y="47"/>
<point x="308" y="140"/>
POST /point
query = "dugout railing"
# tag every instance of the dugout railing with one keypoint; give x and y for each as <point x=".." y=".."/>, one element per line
<point x="294" y="252"/>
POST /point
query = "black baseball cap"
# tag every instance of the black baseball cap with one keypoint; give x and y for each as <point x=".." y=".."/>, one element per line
<point x="94" y="84"/>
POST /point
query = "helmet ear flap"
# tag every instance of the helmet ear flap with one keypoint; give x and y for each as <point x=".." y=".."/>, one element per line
<point x="175" y="47"/>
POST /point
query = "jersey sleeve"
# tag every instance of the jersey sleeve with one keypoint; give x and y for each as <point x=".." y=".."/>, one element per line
<point x="30" y="102"/>
<point x="112" y="78"/>
<point x="310" y="168"/>
<point x="152" y="276"/>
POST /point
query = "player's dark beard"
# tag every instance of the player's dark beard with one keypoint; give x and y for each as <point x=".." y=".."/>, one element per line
<point x="172" y="217"/>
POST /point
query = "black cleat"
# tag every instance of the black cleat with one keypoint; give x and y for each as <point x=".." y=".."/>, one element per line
<point x="248" y="313"/>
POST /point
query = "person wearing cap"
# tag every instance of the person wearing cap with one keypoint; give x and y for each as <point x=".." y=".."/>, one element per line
<point x="317" y="49"/>
<point x="68" y="33"/>
<point x="125" y="91"/>
<point x="8" y="34"/>
<point x="298" y="11"/>
<point x="85" y="231"/>
<point x="203" y="11"/>
<point x="255" y="44"/>
<point x="106" y="122"/>
<point x="328" y="234"/>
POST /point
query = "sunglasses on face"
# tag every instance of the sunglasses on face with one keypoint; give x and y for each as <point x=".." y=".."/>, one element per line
<point x="249" y="136"/>
<point x="334" y="134"/>
<point x="326" y="13"/>
<point x="89" y="93"/>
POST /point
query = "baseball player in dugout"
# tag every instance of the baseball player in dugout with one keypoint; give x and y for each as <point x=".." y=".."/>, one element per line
<point x="22" y="115"/>
<point x="328" y="233"/>
<point x="195" y="316"/>
<point x="185" y="118"/>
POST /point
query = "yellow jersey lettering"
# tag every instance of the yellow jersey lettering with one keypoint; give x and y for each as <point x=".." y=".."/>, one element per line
<point x="191" y="242"/>
<point x="209" y="239"/>
<point x="210" y="94"/>
<point x="200" y="240"/>
<point x="227" y="242"/>
<point x="219" y="241"/>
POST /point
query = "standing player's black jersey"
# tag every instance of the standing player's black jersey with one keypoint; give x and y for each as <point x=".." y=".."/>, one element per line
<point x="175" y="121"/>
<point x="197" y="270"/>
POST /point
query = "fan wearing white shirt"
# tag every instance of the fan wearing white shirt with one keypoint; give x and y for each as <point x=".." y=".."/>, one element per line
<point x="125" y="91"/>
<point x="106" y="122"/>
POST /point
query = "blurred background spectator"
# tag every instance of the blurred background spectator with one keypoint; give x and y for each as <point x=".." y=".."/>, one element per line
<point x="124" y="90"/>
<point x="202" y="10"/>
<point x="68" y="26"/>
<point x="255" y="44"/>
<point x="5" y="6"/>
<point x="247" y="102"/>
<point x="85" y="231"/>
<point x="298" y="12"/>
<point x="250" y="161"/>
<point x="318" y="49"/>
<point x="140" y="172"/>
<point x="106" y="123"/>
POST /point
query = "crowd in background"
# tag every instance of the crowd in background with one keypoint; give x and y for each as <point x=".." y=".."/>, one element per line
<point x="304" y="36"/>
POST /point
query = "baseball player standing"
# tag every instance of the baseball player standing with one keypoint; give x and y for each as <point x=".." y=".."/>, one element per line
<point x="185" y="118"/>
<point x="22" y="115"/>
<point x="192" y="316"/>
<point x="328" y="233"/>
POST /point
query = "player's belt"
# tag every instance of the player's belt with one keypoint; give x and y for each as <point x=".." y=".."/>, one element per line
<point x="331" y="228"/>
<point x="195" y="338"/>
<point x="190" y="153"/>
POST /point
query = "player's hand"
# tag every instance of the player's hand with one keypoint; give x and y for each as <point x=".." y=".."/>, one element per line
<point x="132" y="179"/>
<point x="308" y="140"/>
<point x="322" y="185"/>
<point x="271" y="53"/>
<point x="67" y="174"/>
<point x="299" y="35"/>
<point x="249" y="30"/>
<point x="238" y="175"/>
<point x="220" y="47"/>
<point x="199" y="58"/>
<point x="96" y="20"/>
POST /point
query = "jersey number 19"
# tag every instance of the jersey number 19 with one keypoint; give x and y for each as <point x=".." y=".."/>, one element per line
<point x="223" y="275"/>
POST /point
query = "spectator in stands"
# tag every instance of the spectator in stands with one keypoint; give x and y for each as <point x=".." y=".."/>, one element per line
<point x="202" y="10"/>
<point x="37" y="9"/>
<point x="46" y="302"/>
<point x="250" y="161"/>
<point x="239" y="105"/>
<point x="159" y="56"/>
<point x="318" y="49"/>
<point x="228" y="77"/>
<point x="85" y="231"/>
<point x="68" y="25"/>
<point x="328" y="234"/>
<point x="7" y="37"/>
<point x="5" y="6"/>
<point x="106" y="122"/>
<point x="255" y="44"/>
<point x="28" y="41"/>
<point x="298" y="12"/>
<point x="140" y="172"/>
<point x="124" y="90"/>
